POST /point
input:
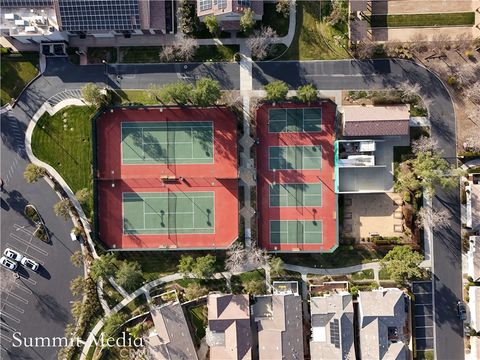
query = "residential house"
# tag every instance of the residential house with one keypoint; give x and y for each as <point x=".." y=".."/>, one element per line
<point x="473" y="203"/>
<point x="332" y="327"/>
<point x="229" y="12"/>
<point x="473" y="258"/>
<point x="474" y="307"/>
<point x="229" y="333"/>
<point x="170" y="339"/>
<point x="382" y="319"/>
<point x="279" y="326"/>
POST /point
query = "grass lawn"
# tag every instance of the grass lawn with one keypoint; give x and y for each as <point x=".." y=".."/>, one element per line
<point x="409" y="20"/>
<point x="238" y="281"/>
<point x="156" y="264"/>
<point x="16" y="71"/>
<point x="272" y="18"/>
<point x="67" y="149"/>
<point x="112" y="296"/>
<point x="314" y="38"/>
<point x="363" y="275"/>
<point x="150" y="54"/>
<point x="198" y="317"/>
<point x="383" y="275"/>
<point x="140" y="97"/>
<point x="345" y="255"/>
<point x="95" y="55"/>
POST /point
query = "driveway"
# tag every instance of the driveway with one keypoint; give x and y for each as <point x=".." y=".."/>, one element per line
<point x="35" y="304"/>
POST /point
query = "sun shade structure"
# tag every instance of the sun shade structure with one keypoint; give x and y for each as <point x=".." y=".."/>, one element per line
<point x="166" y="178"/>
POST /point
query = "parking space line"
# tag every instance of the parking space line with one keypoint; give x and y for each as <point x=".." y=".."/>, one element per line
<point x="6" y="326"/>
<point x="43" y="252"/>
<point x="15" y="307"/>
<point x="423" y="315"/>
<point x="11" y="317"/>
<point x="21" y="287"/>
<point x="29" y="256"/>
<point x="6" y="338"/>
<point x="22" y="228"/>
<point x="424" y="338"/>
<point x="423" y="304"/>
<point x="18" y="297"/>
<point x="32" y="282"/>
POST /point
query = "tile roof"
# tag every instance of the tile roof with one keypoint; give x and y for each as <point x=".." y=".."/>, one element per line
<point x="332" y="327"/>
<point x="376" y="120"/>
<point x="229" y="333"/>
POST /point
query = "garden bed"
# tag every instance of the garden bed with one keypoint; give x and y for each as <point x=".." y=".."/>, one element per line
<point x="431" y="20"/>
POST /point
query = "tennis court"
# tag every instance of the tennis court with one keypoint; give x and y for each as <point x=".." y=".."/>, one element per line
<point x="295" y="157"/>
<point x="168" y="213"/>
<point x="295" y="120"/>
<point x="290" y="195"/>
<point x="167" y="142"/>
<point x="296" y="232"/>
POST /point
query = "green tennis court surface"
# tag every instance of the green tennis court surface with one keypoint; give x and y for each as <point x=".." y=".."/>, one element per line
<point x="295" y="232"/>
<point x="295" y="157"/>
<point x="168" y="213"/>
<point x="181" y="142"/>
<point x="295" y="120"/>
<point x="285" y="195"/>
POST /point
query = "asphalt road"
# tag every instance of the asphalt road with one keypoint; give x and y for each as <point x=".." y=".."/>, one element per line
<point x="326" y="75"/>
<point x="36" y="304"/>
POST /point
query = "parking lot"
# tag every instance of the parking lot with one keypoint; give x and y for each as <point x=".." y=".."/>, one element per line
<point x="423" y="315"/>
<point x="18" y="287"/>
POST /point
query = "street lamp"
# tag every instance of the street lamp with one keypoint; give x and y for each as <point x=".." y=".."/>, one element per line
<point x="105" y="72"/>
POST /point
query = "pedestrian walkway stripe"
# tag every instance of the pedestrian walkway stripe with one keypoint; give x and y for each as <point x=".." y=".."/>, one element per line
<point x="11" y="317"/>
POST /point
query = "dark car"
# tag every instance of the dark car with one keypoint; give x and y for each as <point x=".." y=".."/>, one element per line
<point x="461" y="310"/>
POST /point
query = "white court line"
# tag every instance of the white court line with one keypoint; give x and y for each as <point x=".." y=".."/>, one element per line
<point x="424" y="304"/>
<point x="35" y="247"/>
<point x="11" y="317"/>
<point x="8" y="327"/>
<point x="423" y="315"/>
<point x="18" y="297"/>
<point x="29" y="256"/>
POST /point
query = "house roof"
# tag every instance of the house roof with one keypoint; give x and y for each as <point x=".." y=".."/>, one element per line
<point x="473" y="259"/>
<point x="279" y="325"/>
<point x="210" y="7"/>
<point x="379" y="312"/>
<point x="371" y="120"/>
<point x="475" y="199"/>
<point x="171" y="339"/>
<point x="474" y="306"/>
<point x="332" y="327"/>
<point x="229" y="331"/>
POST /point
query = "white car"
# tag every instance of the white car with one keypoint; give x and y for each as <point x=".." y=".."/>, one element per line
<point x="12" y="254"/>
<point x="8" y="263"/>
<point x="29" y="263"/>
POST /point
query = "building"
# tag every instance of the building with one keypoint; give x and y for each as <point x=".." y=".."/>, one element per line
<point x="364" y="155"/>
<point x="382" y="319"/>
<point x="229" y="12"/>
<point x="474" y="307"/>
<point x="171" y="337"/>
<point x="473" y="203"/>
<point x="30" y="21"/>
<point x="279" y="326"/>
<point x="332" y="327"/>
<point x="369" y="121"/>
<point x="55" y="20"/>
<point x="229" y="333"/>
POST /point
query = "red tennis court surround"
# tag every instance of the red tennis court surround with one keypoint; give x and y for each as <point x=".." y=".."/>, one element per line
<point x="290" y="220"/>
<point x="115" y="176"/>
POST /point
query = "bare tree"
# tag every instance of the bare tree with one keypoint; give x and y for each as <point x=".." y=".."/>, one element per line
<point x="466" y="74"/>
<point x="260" y="42"/>
<point x="364" y="50"/>
<point x="185" y="47"/>
<point x="473" y="93"/>
<point x="236" y="258"/>
<point x="410" y="90"/>
<point x="472" y="143"/>
<point x="427" y="217"/>
<point x="462" y="41"/>
<point x="440" y="41"/>
<point x="168" y="53"/>
<point x="419" y="42"/>
<point x="425" y="144"/>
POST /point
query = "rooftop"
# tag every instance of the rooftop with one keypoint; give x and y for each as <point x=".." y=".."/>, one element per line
<point x="29" y="21"/>
<point x="392" y="120"/>
<point x="171" y="338"/>
<point x="229" y="333"/>
<point x="332" y="327"/>
<point x="473" y="258"/>
<point x="382" y="317"/>
<point x="279" y="325"/>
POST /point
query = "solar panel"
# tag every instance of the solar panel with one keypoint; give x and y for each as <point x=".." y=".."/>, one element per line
<point x="87" y="15"/>
<point x="205" y="5"/>
<point x="26" y="3"/>
<point x="335" y="333"/>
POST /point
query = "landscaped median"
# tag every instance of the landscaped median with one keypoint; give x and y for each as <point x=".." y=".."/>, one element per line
<point x="427" y="20"/>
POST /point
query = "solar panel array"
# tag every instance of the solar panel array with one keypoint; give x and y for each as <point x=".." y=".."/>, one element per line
<point x="87" y="15"/>
<point x="26" y="3"/>
<point x="335" y="333"/>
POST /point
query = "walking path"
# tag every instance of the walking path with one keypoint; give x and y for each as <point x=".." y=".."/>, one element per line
<point x="375" y="266"/>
